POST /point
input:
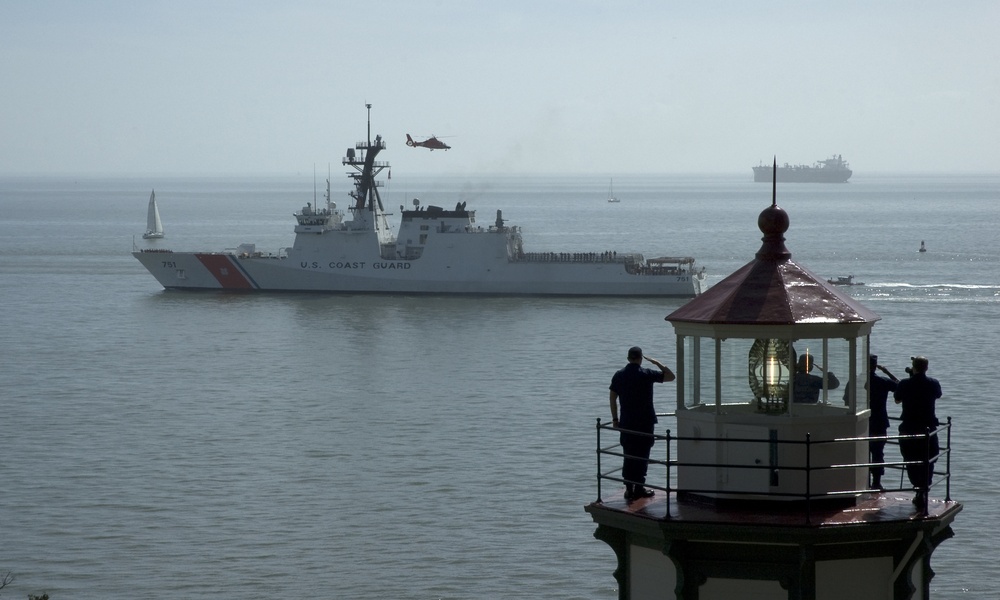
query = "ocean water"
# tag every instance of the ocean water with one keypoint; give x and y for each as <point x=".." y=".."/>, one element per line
<point x="162" y="444"/>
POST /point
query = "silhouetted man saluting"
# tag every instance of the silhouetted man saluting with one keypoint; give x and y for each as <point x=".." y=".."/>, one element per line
<point x="633" y="386"/>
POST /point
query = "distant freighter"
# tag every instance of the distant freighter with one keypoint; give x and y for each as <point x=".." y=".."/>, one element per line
<point x="831" y="170"/>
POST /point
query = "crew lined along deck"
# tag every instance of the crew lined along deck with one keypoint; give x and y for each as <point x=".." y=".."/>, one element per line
<point x="656" y="266"/>
<point x="588" y="257"/>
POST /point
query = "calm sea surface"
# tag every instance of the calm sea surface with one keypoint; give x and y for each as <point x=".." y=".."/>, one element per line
<point x="174" y="445"/>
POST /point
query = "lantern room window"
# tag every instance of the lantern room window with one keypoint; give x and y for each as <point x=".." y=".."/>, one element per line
<point x="773" y="376"/>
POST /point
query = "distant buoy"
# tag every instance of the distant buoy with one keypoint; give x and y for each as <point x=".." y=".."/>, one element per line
<point x="922" y="247"/>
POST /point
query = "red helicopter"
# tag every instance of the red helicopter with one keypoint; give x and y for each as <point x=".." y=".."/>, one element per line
<point x="431" y="143"/>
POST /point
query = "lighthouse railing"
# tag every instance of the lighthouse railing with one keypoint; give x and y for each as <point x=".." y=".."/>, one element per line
<point x="938" y="466"/>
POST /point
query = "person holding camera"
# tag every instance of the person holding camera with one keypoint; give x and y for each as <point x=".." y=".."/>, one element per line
<point x="878" y="421"/>
<point x="633" y="386"/>
<point x="918" y="395"/>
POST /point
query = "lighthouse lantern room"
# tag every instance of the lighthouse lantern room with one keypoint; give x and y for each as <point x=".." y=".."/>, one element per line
<point x="770" y="357"/>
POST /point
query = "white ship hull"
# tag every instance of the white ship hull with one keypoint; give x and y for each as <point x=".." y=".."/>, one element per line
<point x="434" y="251"/>
<point x="465" y="275"/>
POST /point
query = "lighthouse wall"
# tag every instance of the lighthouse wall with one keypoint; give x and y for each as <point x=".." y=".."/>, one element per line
<point x="651" y="573"/>
<point x="717" y="588"/>
<point x="858" y="579"/>
<point x="759" y="454"/>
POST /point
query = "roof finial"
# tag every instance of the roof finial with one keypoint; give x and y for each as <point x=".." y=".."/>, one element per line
<point x="774" y="182"/>
<point x="773" y="223"/>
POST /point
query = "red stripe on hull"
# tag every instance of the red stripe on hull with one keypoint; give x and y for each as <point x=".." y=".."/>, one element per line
<point x="225" y="272"/>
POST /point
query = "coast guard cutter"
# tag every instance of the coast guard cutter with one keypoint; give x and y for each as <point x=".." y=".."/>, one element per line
<point x="435" y="251"/>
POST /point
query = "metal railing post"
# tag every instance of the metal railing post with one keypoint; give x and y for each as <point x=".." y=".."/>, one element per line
<point x="666" y="492"/>
<point x="599" y="460"/>
<point x="808" y="478"/>
<point x="928" y="470"/>
<point x="947" y="475"/>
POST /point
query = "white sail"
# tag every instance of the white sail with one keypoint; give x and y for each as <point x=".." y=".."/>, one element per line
<point x="154" y="227"/>
<point x="611" y="192"/>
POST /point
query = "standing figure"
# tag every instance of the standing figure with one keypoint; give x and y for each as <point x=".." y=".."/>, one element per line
<point x="918" y="394"/>
<point x="807" y="385"/>
<point x="878" y="422"/>
<point x="633" y="385"/>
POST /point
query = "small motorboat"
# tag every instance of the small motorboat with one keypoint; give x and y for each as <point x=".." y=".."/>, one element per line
<point x="844" y="280"/>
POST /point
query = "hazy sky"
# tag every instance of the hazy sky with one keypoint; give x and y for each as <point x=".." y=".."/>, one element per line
<point x="574" y="86"/>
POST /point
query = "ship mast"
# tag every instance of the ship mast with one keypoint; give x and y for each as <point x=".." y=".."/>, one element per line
<point x="365" y="192"/>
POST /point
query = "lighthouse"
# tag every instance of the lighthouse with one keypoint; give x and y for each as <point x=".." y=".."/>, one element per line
<point x="762" y="488"/>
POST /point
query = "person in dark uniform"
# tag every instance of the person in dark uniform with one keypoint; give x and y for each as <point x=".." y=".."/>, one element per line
<point x="918" y="394"/>
<point x="632" y="387"/>
<point x="807" y="385"/>
<point x="878" y="421"/>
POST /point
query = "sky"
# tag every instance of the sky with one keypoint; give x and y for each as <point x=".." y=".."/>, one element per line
<point x="193" y="87"/>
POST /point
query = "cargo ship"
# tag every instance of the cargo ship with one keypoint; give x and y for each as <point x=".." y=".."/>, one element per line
<point x="434" y="251"/>
<point x="831" y="170"/>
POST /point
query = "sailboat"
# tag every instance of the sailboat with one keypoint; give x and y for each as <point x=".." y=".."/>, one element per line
<point x="154" y="227"/>
<point x="611" y="193"/>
